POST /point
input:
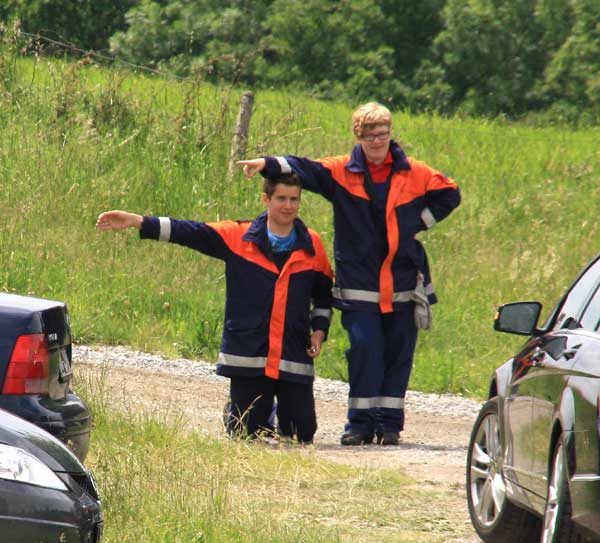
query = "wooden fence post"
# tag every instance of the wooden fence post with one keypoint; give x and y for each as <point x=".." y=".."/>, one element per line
<point x="240" y="136"/>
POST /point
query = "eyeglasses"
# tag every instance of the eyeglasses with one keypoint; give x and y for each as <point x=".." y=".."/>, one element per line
<point x="382" y="136"/>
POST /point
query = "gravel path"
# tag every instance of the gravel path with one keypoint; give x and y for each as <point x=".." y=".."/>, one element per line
<point x="327" y="389"/>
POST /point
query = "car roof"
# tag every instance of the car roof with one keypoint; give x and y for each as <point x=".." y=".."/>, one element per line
<point x="16" y="302"/>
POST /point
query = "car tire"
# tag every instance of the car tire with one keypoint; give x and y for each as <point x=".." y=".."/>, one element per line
<point x="557" y="526"/>
<point x="494" y="517"/>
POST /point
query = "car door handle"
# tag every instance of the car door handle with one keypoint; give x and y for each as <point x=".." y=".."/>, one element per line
<point x="570" y="353"/>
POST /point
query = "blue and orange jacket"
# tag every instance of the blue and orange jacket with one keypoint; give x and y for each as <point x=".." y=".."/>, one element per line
<point x="268" y="313"/>
<point x="374" y="274"/>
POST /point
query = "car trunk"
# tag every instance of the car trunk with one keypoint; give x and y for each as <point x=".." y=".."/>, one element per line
<point x="20" y="315"/>
<point x="35" y="369"/>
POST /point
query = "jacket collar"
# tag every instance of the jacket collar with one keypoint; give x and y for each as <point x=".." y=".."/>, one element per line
<point x="257" y="234"/>
<point x="358" y="161"/>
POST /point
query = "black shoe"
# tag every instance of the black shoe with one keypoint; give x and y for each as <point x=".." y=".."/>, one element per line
<point x="388" y="438"/>
<point x="356" y="438"/>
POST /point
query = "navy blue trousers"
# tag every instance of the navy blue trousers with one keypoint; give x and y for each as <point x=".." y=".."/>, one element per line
<point x="252" y="405"/>
<point x="380" y="360"/>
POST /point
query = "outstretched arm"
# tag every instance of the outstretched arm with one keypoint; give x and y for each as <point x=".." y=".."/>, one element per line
<point x="118" y="220"/>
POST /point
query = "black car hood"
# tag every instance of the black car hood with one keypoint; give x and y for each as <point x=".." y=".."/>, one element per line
<point x="18" y="432"/>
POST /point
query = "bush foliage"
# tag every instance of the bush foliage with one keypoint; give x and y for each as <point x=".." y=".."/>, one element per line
<point x="539" y="58"/>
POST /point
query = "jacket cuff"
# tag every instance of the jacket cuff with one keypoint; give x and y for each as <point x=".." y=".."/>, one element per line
<point x="321" y="323"/>
<point x="158" y="228"/>
<point x="274" y="167"/>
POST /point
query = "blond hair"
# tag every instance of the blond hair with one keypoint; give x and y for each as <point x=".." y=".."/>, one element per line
<point x="368" y="116"/>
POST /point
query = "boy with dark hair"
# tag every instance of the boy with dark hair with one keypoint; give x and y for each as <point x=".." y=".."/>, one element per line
<point x="278" y="289"/>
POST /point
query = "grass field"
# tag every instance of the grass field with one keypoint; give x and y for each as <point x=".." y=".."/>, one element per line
<point x="77" y="139"/>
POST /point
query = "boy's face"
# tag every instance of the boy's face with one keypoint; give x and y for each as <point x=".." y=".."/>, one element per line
<point x="376" y="143"/>
<point x="283" y="205"/>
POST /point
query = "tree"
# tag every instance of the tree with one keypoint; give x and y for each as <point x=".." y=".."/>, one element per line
<point x="409" y="28"/>
<point x="489" y="54"/>
<point x="221" y="39"/>
<point x="86" y="24"/>
<point x="573" y="75"/>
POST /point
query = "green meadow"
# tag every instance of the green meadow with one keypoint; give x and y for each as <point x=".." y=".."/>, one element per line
<point x="77" y="139"/>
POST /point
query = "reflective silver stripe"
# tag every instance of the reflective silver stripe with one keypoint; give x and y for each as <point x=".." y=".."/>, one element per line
<point x="327" y="313"/>
<point x="586" y="478"/>
<point x="283" y="164"/>
<point x="377" y="401"/>
<point x="362" y="403"/>
<point x="242" y="361"/>
<point x="165" y="229"/>
<point x="297" y="368"/>
<point x="354" y="295"/>
<point x="260" y="362"/>
<point x="390" y="402"/>
<point x="428" y="217"/>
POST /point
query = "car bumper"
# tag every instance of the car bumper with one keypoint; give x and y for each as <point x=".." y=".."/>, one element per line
<point x="32" y="513"/>
<point x="585" y="499"/>
<point x="67" y="419"/>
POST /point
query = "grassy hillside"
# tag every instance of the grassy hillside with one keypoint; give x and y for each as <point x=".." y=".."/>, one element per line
<point x="76" y="140"/>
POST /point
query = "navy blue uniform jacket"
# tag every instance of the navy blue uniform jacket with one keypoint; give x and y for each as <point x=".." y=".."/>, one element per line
<point x="376" y="272"/>
<point x="268" y="313"/>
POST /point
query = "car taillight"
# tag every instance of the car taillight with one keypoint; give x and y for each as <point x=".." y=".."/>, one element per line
<point x="29" y="366"/>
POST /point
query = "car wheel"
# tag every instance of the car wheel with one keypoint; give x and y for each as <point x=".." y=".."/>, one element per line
<point x="494" y="517"/>
<point x="558" y="526"/>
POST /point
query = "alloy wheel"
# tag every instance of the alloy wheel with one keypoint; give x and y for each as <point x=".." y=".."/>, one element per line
<point x="488" y="491"/>
<point x="553" y="505"/>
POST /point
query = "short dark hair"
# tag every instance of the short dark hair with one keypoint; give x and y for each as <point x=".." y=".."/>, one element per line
<point x="289" y="179"/>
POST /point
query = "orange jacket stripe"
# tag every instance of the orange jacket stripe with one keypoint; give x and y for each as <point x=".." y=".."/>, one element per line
<point x="230" y="233"/>
<point x="353" y="182"/>
<point x="297" y="262"/>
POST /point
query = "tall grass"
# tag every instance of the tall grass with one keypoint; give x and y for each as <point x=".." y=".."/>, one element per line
<point x="77" y="139"/>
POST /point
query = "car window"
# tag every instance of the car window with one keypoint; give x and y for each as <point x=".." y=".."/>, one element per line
<point x="569" y="314"/>
<point x="591" y="316"/>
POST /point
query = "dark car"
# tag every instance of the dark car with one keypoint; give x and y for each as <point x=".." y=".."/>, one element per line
<point x="46" y="494"/>
<point x="35" y="369"/>
<point x="533" y="467"/>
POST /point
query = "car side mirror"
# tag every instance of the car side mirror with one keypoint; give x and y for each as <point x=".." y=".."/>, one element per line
<point x="518" y="318"/>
